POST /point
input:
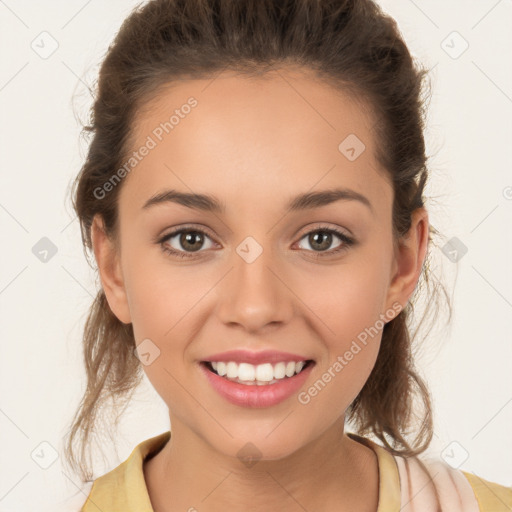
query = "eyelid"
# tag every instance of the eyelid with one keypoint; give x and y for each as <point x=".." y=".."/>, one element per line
<point x="185" y="227"/>
<point x="323" y="226"/>
<point x="305" y="231"/>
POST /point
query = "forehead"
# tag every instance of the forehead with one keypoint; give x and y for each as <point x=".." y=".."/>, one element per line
<point x="248" y="138"/>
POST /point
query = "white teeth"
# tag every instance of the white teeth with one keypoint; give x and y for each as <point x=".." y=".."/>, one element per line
<point x="247" y="372"/>
<point x="279" y="370"/>
<point x="221" y="369"/>
<point x="264" y="372"/>
<point x="290" y="369"/>
<point x="232" y="370"/>
<point x="261" y="374"/>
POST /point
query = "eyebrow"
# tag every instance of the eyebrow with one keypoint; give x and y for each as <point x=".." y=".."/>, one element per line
<point x="305" y="201"/>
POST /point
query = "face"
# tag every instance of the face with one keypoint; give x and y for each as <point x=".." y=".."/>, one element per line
<point x="318" y="280"/>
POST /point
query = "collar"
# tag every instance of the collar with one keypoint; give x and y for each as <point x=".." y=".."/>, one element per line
<point x="389" y="478"/>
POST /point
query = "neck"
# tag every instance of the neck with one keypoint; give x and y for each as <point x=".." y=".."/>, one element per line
<point x="188" y="474"/>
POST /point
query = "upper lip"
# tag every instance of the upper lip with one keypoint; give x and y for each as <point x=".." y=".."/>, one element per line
<point x="264" y="356"/>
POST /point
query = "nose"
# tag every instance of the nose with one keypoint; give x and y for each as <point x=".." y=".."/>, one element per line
<point x="255" y="293"/>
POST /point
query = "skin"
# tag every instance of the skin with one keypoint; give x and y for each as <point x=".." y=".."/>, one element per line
<point x="254" y="144"/>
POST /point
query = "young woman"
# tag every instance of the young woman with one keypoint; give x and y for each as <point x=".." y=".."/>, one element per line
<point x="254" y="199"/>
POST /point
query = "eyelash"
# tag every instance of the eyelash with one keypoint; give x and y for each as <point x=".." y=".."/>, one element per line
<point x="347" y="241"/>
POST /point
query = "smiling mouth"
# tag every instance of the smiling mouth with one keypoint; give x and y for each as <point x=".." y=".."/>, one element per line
<point x="250" y="377"/>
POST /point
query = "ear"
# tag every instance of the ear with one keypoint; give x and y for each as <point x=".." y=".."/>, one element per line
<point x="409" y="258"/>
<point x="109" y="266"/>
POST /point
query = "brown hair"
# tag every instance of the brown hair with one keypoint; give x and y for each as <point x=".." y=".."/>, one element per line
<point x="350" y="43"/>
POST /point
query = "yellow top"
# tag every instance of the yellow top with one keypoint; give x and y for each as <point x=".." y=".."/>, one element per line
<point x="402" y="486"/>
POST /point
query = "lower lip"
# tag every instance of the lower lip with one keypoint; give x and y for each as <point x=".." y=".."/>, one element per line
<point x="254" y="395"/>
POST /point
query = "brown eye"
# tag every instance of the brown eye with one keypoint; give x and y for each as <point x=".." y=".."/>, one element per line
<point x="191" y="240"/>
<point x="185" y="242"/>
<point x="321" y="239"/>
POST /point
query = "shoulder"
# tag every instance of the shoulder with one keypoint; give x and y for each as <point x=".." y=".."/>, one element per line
<point x="453" y="488"/>
<point x="491" y="496"/>
<point x="123" y="487"/>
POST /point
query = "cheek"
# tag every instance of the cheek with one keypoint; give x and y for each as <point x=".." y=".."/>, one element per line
<point x="159" y="293"/>
<point x="164" y="299"/>
<point x="350" y="299"/>
<point x="352" y="350"/>
<point x="350" y="304"/>
<point x="160" y="306"/>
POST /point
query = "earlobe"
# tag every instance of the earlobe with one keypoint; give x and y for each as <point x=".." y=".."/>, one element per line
<point x="109" y="268"/>
<point x="409" y="259"/>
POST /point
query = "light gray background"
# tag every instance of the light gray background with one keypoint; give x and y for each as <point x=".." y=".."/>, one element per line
<point x="43" y="304"/>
